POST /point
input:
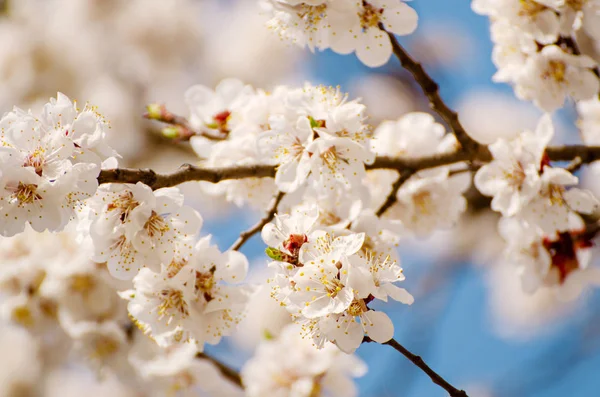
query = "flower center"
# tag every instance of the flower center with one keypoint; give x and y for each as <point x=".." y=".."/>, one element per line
<point x="357" y="307"/>
<point x="124" y="203"/>
<point x="220" y="121"/>
<point x="104" y="347"/>
<point x="172" y="303"/>
<point x="312" y="15"/>
<point x="294" y="242"/>
<point x="156" y="225"/>
<point x="423" y="201"/>
<point x="81" y="283"/>
<point x="35" y="160"/>
<point x="531" y="8"/>
<point x="205" y="282"/>
<point x="515" y="176"/>
<point x="556" y="70"/>
<point x="370" y="16"/>
<point x="26" y="193"/>
<point x="332" y="286"/>
<point x="174" y="267"/>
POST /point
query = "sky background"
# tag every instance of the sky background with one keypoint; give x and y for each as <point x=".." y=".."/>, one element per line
<point x="451" y="327"/>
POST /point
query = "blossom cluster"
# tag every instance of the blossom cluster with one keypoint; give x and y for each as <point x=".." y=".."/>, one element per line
<point x="326" y="280"/>
<point x="535" y="51"/>
<point x="49" y="164"/>
<point x="542" y="212"/>
<point x="344" y="26"/>
<point x="302" y="371"/>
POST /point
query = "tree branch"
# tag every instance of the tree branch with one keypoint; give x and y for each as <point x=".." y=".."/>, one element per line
<point x="229" y="373"/>
<point x="245" y="235"/>
<point x="431" y="90"/>
<point x="185" y="173"/>
<point x="392" y="197"/>
<point x="188" y="172"/>
<point x="418" y="361"/>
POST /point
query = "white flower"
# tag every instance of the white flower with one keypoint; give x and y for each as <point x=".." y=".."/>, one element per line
<point x="560" y="261"/>
<point x="535" y="17"/>
<point x="104" y="345"/>
<point x="347" y="330"/>
<point x="551" y="75"/>
<point x="134" y="226"/>
<point x="48" y="165"/>
<point x="412" y="135"/>
<point x="192" y="299"/>
<point x="290" y="232"/>
<point x="304" y="23"/>
<point x="553" y="206"/>
<point x="335" y="160"/>
<point x="303" y="371"/>
<point x="325" y="283"/>
<point x="343" y="26"/>
<point x="432" y="201"/>
<point x="217" y="111"/>
<point x="512" y="178"/>
<point x="286" y="144"/>
<point x="178" y="369"/>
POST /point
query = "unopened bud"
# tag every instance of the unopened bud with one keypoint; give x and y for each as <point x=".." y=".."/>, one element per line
<point x="172" y="132"/>
<point x="154" y="111"/>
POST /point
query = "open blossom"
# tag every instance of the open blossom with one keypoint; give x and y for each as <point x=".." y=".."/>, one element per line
<point x="286" y="143"/>
<point x="344" y="26"/>
<point x="513" y="177"/>
<point x="560" y="261"/>
<point x="303" y="371"/>
<point x="552" y="75"/>
<point x="178" y="370"/>
<point x="328" y="286"/>
<point x="48" y="164"/>
<point x="537" y="18"/>
<point x="217" y="111"/>
<point x="557" y="201"/>
<point x="431" y="201"/>
<point x="133" y="226"/>
<point x="320" y="137"/>
<point x="415" y="134"/>
<point x="193" y="298"/>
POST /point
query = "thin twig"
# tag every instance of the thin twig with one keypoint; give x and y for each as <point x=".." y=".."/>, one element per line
<point x="189" y="172"/>
<point x="228" y="372"/>
<point x="392" y="197"/>
<point x="245" y="235"/>
<point x="431" y="90"/>
<point x="434" y="376"/>
<point x="418" y="361"/>
<point x="186" y="130"/>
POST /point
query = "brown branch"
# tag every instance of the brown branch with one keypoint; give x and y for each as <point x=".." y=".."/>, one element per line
<point x="185" y="173"/>
<point x="229" y="373"/>
<point x="418" y="361"/>
<point x="431" y="90"/>
<point x="245" y="235"/>
<point x="392" y="197"/>
<point x="189" y="172"/>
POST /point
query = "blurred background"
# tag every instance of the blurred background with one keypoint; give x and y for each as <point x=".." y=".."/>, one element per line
<point x="470" y="320"/>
